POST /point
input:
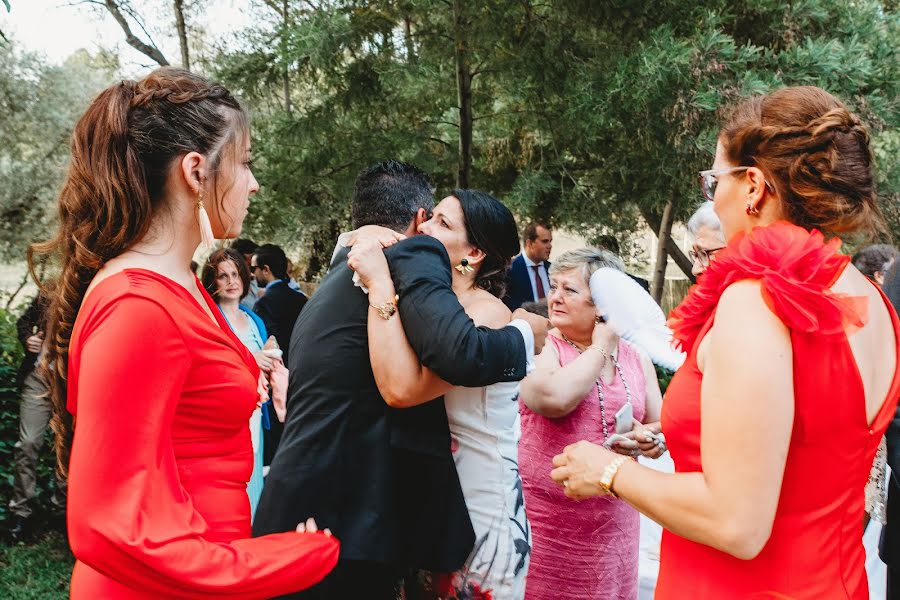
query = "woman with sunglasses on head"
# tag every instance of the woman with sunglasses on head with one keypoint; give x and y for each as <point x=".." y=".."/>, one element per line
<point x="791" y="376"/>
<point x="159" y="387"/>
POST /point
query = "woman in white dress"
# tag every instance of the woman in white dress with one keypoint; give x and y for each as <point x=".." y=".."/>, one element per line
<point x="480" y="236"/>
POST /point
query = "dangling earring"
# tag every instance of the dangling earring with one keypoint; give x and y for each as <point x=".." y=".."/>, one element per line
<point x="464" y="268"/>
<point x="207" y="238"/>
<point x="752" y="210"/>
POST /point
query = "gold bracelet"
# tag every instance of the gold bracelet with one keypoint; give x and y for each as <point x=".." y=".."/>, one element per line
<point x="609" y="475"/>
<point x="386" y="310"/>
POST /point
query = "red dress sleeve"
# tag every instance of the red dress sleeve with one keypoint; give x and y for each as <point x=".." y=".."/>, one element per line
<point x="796" y="267"/>
<point x="129" y="516"/>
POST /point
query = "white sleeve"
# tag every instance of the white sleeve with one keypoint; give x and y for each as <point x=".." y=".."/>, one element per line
<point x="528" y="335"/>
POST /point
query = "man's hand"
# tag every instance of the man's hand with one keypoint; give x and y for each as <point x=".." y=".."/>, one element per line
<point x="34" y="342"/>
<point x="539" y="325"/>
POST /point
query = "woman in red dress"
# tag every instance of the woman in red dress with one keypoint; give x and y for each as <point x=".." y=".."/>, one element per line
<point x="791" y="377"/>
<point x="159" y="387"/>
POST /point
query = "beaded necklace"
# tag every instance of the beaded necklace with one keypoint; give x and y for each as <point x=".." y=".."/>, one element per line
<point x="600" y="386"/>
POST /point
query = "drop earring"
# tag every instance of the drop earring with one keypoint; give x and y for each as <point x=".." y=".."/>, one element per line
<point x="752" y="210"/>
<point x="207" y="238"/>
<point x="464" y="268"/>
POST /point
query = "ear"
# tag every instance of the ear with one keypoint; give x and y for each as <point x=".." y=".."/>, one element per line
<point x="757" y="188"/>
<point x="421" y="217"/>
<point x="475" y="255"/>
<point x="193" y="171"/>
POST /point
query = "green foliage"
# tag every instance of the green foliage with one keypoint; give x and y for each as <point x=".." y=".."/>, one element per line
<point x="589" y="115"/>
<point x="37" y="571"/>
<point x="39" y="104"/>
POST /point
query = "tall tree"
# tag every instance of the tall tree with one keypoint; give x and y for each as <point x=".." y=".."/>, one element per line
<point x="180" y="27"/>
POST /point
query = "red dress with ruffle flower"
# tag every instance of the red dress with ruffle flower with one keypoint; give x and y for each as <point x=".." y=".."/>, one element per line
<point x="157" y="504"/>
<point x="815" y="550"/>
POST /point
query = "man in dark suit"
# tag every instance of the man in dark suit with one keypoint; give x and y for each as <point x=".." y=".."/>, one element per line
<point x="528" y="279"/>
<point x="889" y="549"/>
<point x="383" y="479"/>
<point x="280" y="305"/>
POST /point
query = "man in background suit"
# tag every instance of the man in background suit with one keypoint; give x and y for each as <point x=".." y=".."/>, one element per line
<point x="383" y="479"/>
<point x="280" y="305"/>
<point x="528" y="280"/>
<point x="889" y="549"/>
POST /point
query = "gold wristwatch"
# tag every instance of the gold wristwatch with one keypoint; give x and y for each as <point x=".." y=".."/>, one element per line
<point x="609" y="475"/>
<point x="387" y="309"/>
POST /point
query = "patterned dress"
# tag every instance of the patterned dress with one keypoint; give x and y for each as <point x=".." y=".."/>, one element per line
<point x="484" y="428"/>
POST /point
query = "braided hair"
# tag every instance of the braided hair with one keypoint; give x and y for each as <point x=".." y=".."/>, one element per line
<point x="122" y="148"/>
<point x="814" y="152"/>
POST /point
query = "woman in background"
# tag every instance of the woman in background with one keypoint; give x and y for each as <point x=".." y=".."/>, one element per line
<point x="226" y="279"/>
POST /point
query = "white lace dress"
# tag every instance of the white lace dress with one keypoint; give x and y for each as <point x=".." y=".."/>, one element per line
<point x="484" y="425"/>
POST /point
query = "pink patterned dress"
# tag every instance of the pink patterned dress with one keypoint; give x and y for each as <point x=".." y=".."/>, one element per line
<point x="586" y="549"/>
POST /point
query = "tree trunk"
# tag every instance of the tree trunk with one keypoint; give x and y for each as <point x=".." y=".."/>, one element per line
<point x="286" y="76"/>
<point x="684" y="263"/>
<point x="662" y="257"/>
<point x="464" y="95"/>
<point x="182" y="34"/>
<point x="148" y="50"/>
<point x="407" y="39"/>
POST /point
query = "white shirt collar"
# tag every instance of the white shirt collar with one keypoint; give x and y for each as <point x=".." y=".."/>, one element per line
<point x="530" y="262"/>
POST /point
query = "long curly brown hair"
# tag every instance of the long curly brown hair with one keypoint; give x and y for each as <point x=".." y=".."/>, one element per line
<point x="122" y="147"/>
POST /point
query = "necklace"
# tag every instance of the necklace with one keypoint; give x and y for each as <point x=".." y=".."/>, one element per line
<point x="599" y="385"/>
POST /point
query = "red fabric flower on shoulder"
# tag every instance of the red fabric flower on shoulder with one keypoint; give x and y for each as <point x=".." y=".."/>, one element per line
<point x="797" y="269"/>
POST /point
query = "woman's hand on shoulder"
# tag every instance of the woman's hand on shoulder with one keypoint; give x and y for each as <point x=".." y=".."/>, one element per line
<point x="367" y="259"/>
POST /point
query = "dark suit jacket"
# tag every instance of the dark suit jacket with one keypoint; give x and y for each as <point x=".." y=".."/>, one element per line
<point x="518" y="283"/>
<point x="382" y="479"/>
<point x="32" y="320"/>
<point x="279" y="308"/>
<point x="889" y="549"/>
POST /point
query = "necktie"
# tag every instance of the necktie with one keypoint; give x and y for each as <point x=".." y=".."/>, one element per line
<point x="538" y="282"/>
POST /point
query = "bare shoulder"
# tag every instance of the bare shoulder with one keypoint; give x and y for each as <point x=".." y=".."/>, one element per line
<point x="488" y="311"/>
<point x="743" y="315"/>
